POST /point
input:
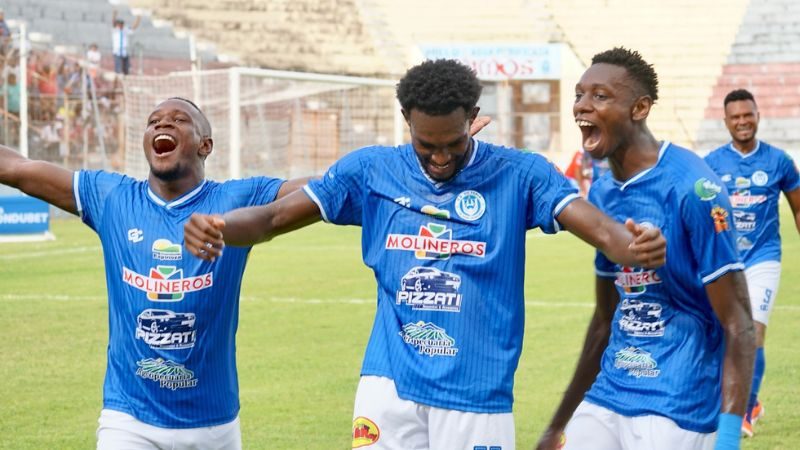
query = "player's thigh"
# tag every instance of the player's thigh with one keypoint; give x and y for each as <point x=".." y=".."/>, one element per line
<point x="120" y="431"/>
<point x="384" y="421"/>
<point x="763" y="280"/>
<point x="227" y="436"/>
<point x="592" y="427"/>
<point x="660" y="433"/>
<point x="459" y="430"/>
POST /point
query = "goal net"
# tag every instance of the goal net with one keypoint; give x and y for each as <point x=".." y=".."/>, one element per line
<point x="264" y="122"/>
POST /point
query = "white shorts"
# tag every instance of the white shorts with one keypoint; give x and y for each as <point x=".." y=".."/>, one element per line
<point x="120" y="431"/>
<point x="593" y="427"/>
<point x="763" y="280"/>
<point x="384" y="421"/>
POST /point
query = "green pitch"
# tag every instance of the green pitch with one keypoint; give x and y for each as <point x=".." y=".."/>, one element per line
<point x="306" y="314"/>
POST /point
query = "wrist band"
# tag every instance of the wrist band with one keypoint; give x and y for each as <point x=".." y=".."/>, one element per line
<point x="729" y="432"/>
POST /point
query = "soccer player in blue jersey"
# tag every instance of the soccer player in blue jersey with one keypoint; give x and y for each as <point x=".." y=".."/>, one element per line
<point x="755" y="174"/>
<point x="171" y="378"/>
<point x="668" y="354"/>
<point x="443" y="228"/>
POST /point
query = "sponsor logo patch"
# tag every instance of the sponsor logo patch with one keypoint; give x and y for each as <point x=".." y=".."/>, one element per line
<point x="166" y="283"/>
<point x="706" y="190"/>
<point x="743" y="244"/>
<point x="435" y="212"/>
<point x="164" y="250"/>
<point x="365" y="432"/>
<point x="403" y="201"/>
<point x="167" y="330"/>
<point x="720" y="216"/>
<point x="434" y="241"/>
<point x="641" y="318"/>
<point x="743" y="199"/>
<point x="634" y="281"/>
<point x="744" y="222"/>
<point x="470" y="205"/>
<point x="637" y="362"/>
<point x="135" y="235"/>
<point x="742" y="183"/>
<point x="428" y="339"/>
<point x="168" y="374"/>
<point x="428" y="288"/>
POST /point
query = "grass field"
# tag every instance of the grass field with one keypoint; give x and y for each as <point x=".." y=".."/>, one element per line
<point x="306" y="313"/>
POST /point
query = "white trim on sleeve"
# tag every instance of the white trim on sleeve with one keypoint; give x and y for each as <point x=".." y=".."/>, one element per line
<point x="560" y="206"/>
<point x="722" y="271"/>
<point x="76" y="176"/>
<point x="315" y="199"/>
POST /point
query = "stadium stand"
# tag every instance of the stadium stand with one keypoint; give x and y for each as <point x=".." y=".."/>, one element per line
<point x="764" y="59"/>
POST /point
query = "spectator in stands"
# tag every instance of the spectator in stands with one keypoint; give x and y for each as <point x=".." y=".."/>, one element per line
<point x="93" y="57"/>
<point x="120" y="43"/>
<point x="47" y="82"/>
<point x="11" y="94"/>
<point x="5" y="34"/>
<point x="579" y="173"/>
<point x="756" y="173"/>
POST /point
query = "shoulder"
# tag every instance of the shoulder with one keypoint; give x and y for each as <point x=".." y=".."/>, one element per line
<point x="717" y="153"/>
<point x="513" y="158"/>
<point x="688" y="170"/>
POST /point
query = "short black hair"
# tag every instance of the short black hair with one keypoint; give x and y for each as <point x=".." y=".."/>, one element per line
<point x="738" y="95"/>
<point x="439" y="87"/>
<point x="205" y="125"/>
<point x="637" y="68"/>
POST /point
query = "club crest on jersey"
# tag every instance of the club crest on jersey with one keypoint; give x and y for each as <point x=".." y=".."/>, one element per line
<point x="637" y="362"/>
<point x="365" y="432"/>
<point x="634" y="280"/>
<point x="430" y="289"/>
<point x="720" y="217"/>
<point x="167" y="330"/>
<point x="168" y="374"/>
<point x="428" y="339"/>
<point x="434" y="241"/>
<point x="470" y="205"/>
<point x="706" y="189"/>
<point x="760" y="178"/>
<point x="166" y="283"/>
<point x="641" y="318"/>
<point x="164" y="250"/>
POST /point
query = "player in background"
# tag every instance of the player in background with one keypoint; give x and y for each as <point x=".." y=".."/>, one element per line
<point x="579" y="172"/>
<point x="755" y="174"/>
<point x="668" y="355"/>
<point x="443" y="228"/>
<point x="171" y="378"/>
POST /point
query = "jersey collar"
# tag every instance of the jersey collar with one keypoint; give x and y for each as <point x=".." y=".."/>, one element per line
<point x="178" y="201"/>
<point x="744" y="155"/>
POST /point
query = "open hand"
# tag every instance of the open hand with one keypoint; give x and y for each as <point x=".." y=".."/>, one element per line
<point x="649" y="246"/>
<point x="202" y="236"/>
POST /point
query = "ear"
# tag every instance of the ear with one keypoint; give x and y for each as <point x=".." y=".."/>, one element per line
<point x="474" y="114"/>
<point x="206" y="147"/>
<point x="406" y="115"/>
<point x="641" y="108"/>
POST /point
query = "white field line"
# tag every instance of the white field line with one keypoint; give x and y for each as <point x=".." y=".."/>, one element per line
<point x="55" y="251"/>
<point x="315" y="301"/>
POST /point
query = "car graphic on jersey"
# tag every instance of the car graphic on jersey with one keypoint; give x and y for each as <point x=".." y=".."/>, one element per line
<point x="641" y="318"/>
<point x="423" y="279"/>
<point x="164" y="321"/>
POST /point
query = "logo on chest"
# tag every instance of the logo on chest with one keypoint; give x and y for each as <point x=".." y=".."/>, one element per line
<point x="166" y="283"/>
<point x="434" y="241"/>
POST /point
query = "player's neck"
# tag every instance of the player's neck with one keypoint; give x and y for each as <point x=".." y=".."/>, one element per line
<point x="640" y="153"/>
<point x="745" y="146"/>
<point x="169" y="190"/>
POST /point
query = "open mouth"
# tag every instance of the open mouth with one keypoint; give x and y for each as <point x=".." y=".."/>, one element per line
<point x="591" y="134"/>
<point x="164" y="143"/>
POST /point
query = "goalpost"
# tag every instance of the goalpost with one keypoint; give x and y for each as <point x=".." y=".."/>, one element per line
<point x="268" y="122"/>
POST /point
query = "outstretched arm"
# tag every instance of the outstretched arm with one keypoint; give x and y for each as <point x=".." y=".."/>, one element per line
<point x="205" y="236"/>
<point x="39" y="179"/>
<point x="794" y="203"/>
<point x="629" y="244"/>
<point x="588" y="364"/>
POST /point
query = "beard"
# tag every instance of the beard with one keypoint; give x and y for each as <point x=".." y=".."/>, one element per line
<point x="169" y="174"/>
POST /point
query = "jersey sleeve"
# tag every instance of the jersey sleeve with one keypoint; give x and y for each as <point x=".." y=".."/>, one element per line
<point x="339" y="193"/>
<point x="791" y="177"/>
<point x="91" y="190"/>
<point x="263" y="190"/>
<point x="549" y="192"/>
<point x="708" y="223"/>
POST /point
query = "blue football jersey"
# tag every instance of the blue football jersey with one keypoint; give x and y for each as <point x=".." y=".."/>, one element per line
<point x="449" y="260"/>
<point x="664" y="356"/>
<point x="172" y="317"/>
<point x="755" y="182"/>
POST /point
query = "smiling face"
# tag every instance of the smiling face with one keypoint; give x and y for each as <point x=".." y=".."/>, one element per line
<point x="741" y="119"/>
<point x="607" y="108"/>
<point x="442" y="143"/>
<point x="176" y="141"/>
